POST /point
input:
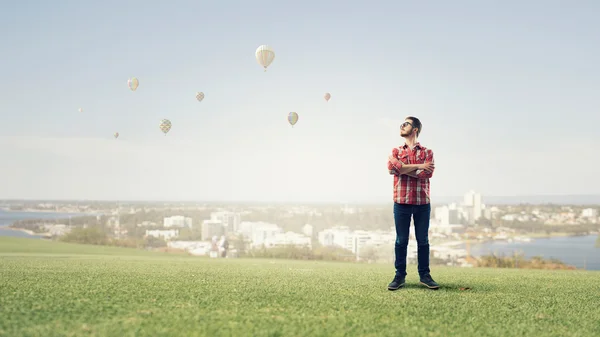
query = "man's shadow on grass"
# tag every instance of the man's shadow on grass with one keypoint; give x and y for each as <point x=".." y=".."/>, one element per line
<point x="445" y="287"/>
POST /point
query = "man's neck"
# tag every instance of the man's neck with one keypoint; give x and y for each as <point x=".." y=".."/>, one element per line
<point x="411" y="142"/>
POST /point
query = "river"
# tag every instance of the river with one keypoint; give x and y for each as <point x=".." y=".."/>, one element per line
<point x="578" y="251"/>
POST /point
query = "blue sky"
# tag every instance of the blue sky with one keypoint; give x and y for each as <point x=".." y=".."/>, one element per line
<point x="507" y="92"/>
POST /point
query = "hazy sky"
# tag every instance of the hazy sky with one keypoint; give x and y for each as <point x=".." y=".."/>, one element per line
<point x="508" y="93"/>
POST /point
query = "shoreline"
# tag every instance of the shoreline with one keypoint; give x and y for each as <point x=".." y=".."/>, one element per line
<point x="28" y="231"/>
<point x="79" y="213"/>
<point x="33" y="211"/>
<point x="8" y="226"/>
<point x="532" y="237"/>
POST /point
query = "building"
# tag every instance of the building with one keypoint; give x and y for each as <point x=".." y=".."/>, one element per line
<point x="211" y="228"/>
<point x="288" y="239"/>
<point x="339" y="236"/>
<point x="354" y="241"/>
<point x="446" y="215"/>
<point x="360" y="239"/>
<point x="166" y="234"/>
<point x="264" y="232"/>
<point x="58" y="230"/>
<point x="308" y="230"/>
<point x="473" y="206"/>
<point x="446" y="229"/>
<point x="229" y="220"/>
<point x="589" y="213"/>
<point x="178" y="221"/>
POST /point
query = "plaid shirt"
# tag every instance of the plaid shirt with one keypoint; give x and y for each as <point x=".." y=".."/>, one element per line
<point x="407" y="189"/>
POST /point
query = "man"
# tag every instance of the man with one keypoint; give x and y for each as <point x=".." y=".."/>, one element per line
<point x="412" y="166"/>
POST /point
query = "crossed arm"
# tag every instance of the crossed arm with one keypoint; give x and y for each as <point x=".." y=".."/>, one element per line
<point x="407" y="169"/>
<point x="412" y="170"/>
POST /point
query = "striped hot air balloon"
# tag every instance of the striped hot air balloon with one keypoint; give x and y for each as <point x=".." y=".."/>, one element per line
<point x="165" y="126"/>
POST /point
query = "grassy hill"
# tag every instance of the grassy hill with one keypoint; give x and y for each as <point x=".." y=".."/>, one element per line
<point x="58" y="289"/>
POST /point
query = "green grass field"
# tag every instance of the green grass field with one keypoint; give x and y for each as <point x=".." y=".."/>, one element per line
<point x="57" y="289"/>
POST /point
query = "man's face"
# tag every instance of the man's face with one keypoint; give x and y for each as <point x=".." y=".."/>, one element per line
<point x="406" y="128"/>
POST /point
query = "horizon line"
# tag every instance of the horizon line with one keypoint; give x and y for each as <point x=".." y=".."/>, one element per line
<point x="378" y="201"/>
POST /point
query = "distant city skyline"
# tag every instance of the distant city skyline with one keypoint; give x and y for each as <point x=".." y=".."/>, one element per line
<point x="506" y="93"/>
<point x="590" y="199"/>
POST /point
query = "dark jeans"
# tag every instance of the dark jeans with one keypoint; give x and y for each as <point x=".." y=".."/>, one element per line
<point x="420" y="215"/>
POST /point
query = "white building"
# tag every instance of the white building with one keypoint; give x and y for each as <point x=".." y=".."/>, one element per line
<point x="589" y="213"/>
<point x="258" y="231"/>
<point x="263" y="232"/>
<point x="509" y="217"/>
<point x="383" y="238"/>
<point x="446" y="215"/>
<point x="146" y="224"/>
<point x="178" y="221"/>
<point x="340" y="236"/>
<point x="307" y="230"/>
<point x="473" y="206"/>
<point x="354" y="241"/>
<point x="446" y="229"/>
<point x="166" y="234"/>
<point x="360" y="239"/>
<point x="287" y="239"/>
<point x="58" y="230"/>
<point x="229" y="220"/>
<point x="212" y="228"/>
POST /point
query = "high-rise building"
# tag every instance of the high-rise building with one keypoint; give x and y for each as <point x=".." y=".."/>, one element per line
<point x="473" y="206"/>
<point x="230" y="220"/>
<point x="446" y="215"/>
<point x="211" y="228"/>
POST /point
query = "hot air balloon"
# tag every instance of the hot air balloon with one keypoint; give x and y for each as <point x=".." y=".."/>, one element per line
<point x="292" y="118"/>
<point x="80" y="109"/>
<point x="165" y="126"/>
<point x="264" y="55"/>
<point x="199" y="96"/>
<point x="116" y="135"/>
<point x="133" y="83"/>
<point x="327" y="96"/>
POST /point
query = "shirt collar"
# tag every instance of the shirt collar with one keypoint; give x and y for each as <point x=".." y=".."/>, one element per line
<point x="417" y="145"/>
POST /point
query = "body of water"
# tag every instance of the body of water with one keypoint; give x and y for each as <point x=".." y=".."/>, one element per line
<point x="8" y="217"/>
<point x="578" y="251"/>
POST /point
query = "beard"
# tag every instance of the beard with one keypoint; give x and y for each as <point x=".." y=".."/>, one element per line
<point x="405" y="133"/>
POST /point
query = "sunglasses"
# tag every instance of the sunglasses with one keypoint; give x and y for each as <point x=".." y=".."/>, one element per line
<point x="405" y="124"/>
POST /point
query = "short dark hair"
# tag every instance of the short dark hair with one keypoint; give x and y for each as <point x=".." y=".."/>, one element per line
<point x="416" y="123"/>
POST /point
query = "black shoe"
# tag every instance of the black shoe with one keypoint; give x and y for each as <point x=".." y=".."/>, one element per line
<point x="427" y="281"/>
<point x="397" y="283"/>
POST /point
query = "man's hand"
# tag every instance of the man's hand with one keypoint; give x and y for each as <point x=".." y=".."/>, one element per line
<point x="428" y="167"/>
<point x="393" y="160"/>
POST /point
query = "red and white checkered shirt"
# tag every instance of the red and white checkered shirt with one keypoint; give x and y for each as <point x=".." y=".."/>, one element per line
<point x="407" y="189"/>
